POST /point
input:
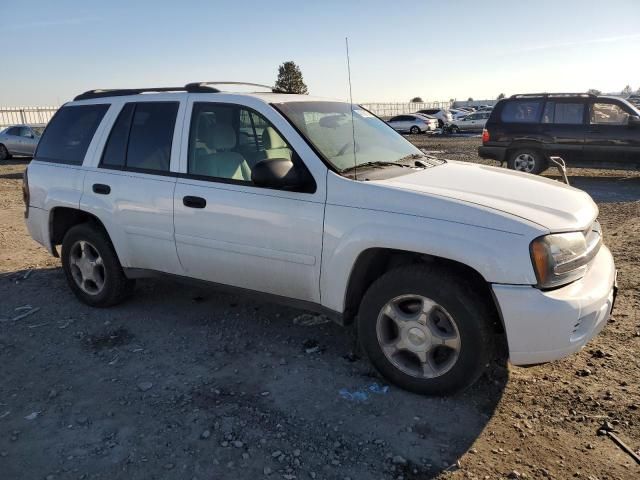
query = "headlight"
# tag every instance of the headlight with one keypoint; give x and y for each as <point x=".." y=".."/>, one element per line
<point x="562" y="258"/>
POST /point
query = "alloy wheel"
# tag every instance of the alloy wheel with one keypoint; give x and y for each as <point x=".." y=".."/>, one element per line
<point x="87" y="267"/>
<point x="525" y="162"/>
<point x="418" y="336"/>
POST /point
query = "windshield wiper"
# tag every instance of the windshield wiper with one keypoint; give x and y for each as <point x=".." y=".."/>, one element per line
<point x="372" y="164"/>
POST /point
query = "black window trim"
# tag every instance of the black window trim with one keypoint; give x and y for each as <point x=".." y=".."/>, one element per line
<point x="50" y="122"/>
<point x="125" y="168"/>
<point x="295" y="158"/>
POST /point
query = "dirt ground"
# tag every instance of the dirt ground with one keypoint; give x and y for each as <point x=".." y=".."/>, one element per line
<point x="186" y="382"/>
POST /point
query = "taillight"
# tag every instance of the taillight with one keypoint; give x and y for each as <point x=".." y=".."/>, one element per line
<point x="25" y="192"/>
<point x="485" y="135"/>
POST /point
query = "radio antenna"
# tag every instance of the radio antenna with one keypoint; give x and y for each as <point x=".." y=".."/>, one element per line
<point x="353" y="128"/>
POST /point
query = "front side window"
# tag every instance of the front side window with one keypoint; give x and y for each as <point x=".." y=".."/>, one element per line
<point x="226" y="141"/>
<point x="563" y="113"/>
<point x="608" y="114"/>
<point x="521" y="111"/>
<point x="328" y="127"/>
<point x="141" y="137"/>
<point x="69" y="133"/>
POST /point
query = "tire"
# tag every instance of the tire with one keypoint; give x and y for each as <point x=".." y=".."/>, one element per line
<point x="447" y="370"/>
<point x="454" y="129"/>
<point x="4" y="153"/>
<point x="92" y="268"/>
<point x="414" y="130"/>
<point x="527" y="160"/>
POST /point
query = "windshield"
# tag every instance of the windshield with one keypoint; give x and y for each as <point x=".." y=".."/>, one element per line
<point x="327" y="125"/>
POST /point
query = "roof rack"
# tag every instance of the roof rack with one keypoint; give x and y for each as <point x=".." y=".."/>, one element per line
<point x="197" y="87"/>
<point x="194" y="87"/>
<point x="546" y="94"/>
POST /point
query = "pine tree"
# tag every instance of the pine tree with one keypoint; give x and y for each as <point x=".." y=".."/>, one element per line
<point x="290" y="79"/>
<point x="501" y="96"/>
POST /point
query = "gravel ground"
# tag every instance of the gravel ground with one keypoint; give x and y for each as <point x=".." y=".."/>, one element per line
<point x="186" y="382"/>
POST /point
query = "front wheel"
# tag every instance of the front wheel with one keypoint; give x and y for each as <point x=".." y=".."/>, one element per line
<point x="414" y="130"/>
<point x="527" y="160"/>
<point x="424" y="330"/>
<point x="455" y="129"/>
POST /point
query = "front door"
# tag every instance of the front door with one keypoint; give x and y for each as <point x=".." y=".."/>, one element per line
<point x="610" y="139"/>
<point x="230" y="231"/>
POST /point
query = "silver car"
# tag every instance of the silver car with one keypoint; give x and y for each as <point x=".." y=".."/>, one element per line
<point x="19" y="140"/>
<point x="412" y="123"/>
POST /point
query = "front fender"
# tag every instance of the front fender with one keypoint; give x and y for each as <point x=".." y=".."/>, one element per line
<point x="500" y="257"/>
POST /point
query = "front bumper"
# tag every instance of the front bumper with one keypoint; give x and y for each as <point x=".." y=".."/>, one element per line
<point x="545" y="326"/>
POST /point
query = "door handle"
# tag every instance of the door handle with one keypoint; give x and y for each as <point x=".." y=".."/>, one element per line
<point x="194" y="202"/>
<point x="101" y="189"/>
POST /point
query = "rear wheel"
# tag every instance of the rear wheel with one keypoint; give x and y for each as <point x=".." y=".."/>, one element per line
<point x="92" y="267"/>
<point x="4" y="153"/>
<point x="414" y="130"/>
<point x="527" y="160"/>
<point x="424" y="330"/>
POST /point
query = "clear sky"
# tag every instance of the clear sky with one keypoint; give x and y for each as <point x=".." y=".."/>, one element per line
<point x="438" y="50"/>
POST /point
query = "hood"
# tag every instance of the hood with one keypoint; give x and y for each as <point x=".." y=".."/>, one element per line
<point x="548" y="203"/>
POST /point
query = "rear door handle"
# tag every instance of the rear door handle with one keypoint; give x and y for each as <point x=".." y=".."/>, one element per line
<point x="101" y="189"/>
<point x="194" y="202"/>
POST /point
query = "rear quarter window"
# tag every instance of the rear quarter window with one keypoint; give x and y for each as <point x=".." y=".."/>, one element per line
<point x="69" y="133"/>
<point x="521" y="111"/>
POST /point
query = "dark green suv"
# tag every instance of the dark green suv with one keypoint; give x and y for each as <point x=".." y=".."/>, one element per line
<point x="584" y="130"/>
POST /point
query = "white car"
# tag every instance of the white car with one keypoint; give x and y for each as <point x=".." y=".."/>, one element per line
<point x="457" y="114"/>
<point x="472" y="122"/>
<point x="443" y="116"/>
<point x="324" y="206"/>
<point x="413" y="123"/>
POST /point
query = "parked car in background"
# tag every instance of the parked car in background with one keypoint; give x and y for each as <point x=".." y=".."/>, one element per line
<point x="484" y="108"/>
<point x="442" y="115"/>
<point x="433" y="121"/>
<point x="585" y="130"/>
<point x="328" y="209"/>
<point x="457" y="114"/>
<point x="634" y="100"/>
<point x="19" y="140"/>
<point x="412" y="123"/>
<point x="472" y="122"/>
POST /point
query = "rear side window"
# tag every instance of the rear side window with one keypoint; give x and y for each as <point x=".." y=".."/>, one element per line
<point x="563" y="113"/>
<point x="521" y="111"/>
<point x="69" y="133"/>
<point x="141" y="137"/>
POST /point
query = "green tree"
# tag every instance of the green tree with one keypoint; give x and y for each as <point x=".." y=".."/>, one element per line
<point x="417" y="100"/>
<point x="290" y="79"/>
<point x="501" y="96"/>
<point x="594" y="91"/>
<point x="470" y="99"/>
<point x="626" y="91"/>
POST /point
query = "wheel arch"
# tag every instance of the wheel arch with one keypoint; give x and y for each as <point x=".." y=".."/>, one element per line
<point x="62" y="219"/>
<point x="374" y="262"/>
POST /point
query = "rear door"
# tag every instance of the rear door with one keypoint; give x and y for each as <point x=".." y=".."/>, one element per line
<point x="563" y="123"/>
<point x="610" y="139"/>
<point x="232" y="232"/>
<point x="130" y="185"/>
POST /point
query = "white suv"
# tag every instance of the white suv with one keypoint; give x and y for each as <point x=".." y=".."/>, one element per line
<point x="281" y="194"/>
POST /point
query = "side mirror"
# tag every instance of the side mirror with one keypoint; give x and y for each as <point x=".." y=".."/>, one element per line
<point x="281" y="173"/>
<point x="634" y="120"/>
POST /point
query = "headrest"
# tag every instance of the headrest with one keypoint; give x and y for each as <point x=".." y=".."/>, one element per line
<point x="224" y="137"/>
<point x="271" y="139"/>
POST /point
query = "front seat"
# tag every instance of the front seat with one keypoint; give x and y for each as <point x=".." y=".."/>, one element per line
<point x="274" y="145"/>
<point x="224" y="163"/>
